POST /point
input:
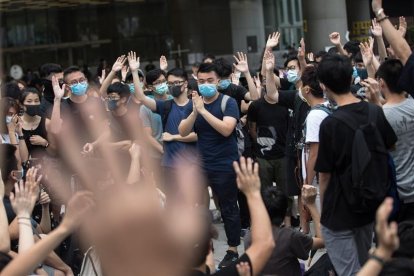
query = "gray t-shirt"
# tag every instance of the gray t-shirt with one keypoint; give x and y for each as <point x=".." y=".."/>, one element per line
<point x="152" y="120"/>
<point x="291" y="245"/>
<point x="401" y="118"/>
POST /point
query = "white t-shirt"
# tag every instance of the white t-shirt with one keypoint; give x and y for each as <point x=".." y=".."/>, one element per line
<point x="5" y="138"/>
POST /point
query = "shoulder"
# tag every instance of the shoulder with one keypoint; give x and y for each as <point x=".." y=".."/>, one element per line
<point x="317" y="115"/>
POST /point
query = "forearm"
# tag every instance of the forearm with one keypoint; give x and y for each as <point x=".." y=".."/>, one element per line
<point x="153" y="142"/>
<point x="371" y="71"/>
<point x="26" y="240"/>
<point x="316" y="217"/>
<point x="106" y="83"/>
<point x="373" y="267"/>
<point x="24" y="153"/>
<point x="192" y="137"/>
<point x="55" y="120"/>
<point x="45" y="223"/>
<point x="324" y="179"/>
<point x="271" y="89"/>
<point x="302" y="63"/>
<point x="398" y="43"/>
<point x="341" y="49"/>
<point x="382" y="51"/>
<point x="260" y="223"/>
<point x="134" y="175"/>
<point x="139" y="93"/>
<point x="186" y="125"/>
<point x="4" y="228"/>
<point x="254" y="93"/>
<point x="310" y="169"/>
<point x="224" y="128"/>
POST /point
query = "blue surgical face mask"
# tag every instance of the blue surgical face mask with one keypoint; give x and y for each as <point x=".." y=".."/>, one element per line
<point x="9" y="119"/>
<point x="131" y="88"/>
<point x="292" y="76"/>
<point x="161" y="88"/>
<point x="207" y="90"/>
<point x="79" y="89"/>
<point x="354" y="72"/>
<point x="223" y="84"/>
<point x="112" y="104"/>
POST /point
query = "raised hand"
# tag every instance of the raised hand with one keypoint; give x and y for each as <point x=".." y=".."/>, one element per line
<point x="372" y="90"/>
<point x="59" y="92"/>
<point x="387" y="234"/>
<point x="235" y="78"/>
<point x="402" y="27"/>
<point x="247" y="172"/>
<point x="198" y="103"/>
<point x="376" y="5"/>
<point x="38" y="140"/>
<point x="309" y="193"/>
<point x="367" y="54"/>
<point x="79" y="205"/>
<point x="241" y="62"/>
<point x="257" y="82"/>
<point x="376" y="28"/>
<point x="269" y="59"/>
<point x="102" y="77"/>
<point x="135" y="151"/>
<point x="133" y="61"/>
<point x="273" y="40"/>
<point x="311" y="57"/>
<point x="335" y="38"/>
<point x="44" y="198"/>
<point x="163" y="63"/>
<point x="118" y="63"/>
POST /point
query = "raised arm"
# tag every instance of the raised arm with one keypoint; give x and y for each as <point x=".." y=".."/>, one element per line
<point x="55" y="125"/>
<point x="163" y="63"/>
<point x="248" y="182"/>
<point x="335" y="39"/>
<point x="393" y="36"/>
<point x="271" y="88"/>
<point x="134" y="175"/>
<point x="309" y="193"/>
<point x="186" y="125"/>
<point x="26" y="262"/>
<point x="4" y="224"/>
<point x="367" y="58"/>
<point x="242" y="66"/>
<point x="376" y="31"/>
<point x="272" y="41"/>
<point x="118" y="66"/>
<point x="45" y="223"/>
<point x="134" y="63"/>
<point x="302" y="55"/>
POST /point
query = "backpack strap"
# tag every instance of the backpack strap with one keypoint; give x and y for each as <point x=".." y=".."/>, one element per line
<point x="166" y="111"/>
<point x="323" y="108"/>
<point x="350" y="120"/>
<point x="224" y="101"/>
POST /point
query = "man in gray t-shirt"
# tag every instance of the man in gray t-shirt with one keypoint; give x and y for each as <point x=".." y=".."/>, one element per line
<point x="399" y="111"/>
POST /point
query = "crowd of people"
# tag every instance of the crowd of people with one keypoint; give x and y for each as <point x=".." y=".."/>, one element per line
<point x="313" y="161"/>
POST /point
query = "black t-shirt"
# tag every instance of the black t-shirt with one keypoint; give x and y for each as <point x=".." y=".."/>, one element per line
<point x="271" y="128"/>
<point x="36" y="151"/>
<point x="291" y="100"/>
<point x="406" y="81"/>
<point x="237" y="92"/>
<point x="229" y="271"/>
<point x="334" y="156"/>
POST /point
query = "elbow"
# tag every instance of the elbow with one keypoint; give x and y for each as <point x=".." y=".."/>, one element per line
<point x="182" y="131"/>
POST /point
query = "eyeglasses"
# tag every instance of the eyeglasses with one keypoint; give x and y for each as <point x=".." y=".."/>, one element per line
<point x="81" y="80"/>
<point x="158" y="82"/>
<point x="112" y="98"/>
<point x="175" y="83"/>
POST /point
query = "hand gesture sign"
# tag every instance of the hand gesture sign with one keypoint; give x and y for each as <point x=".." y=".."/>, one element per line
<point x="248" y="180"/>
<point x="119" y="63"/>
<point x="366" y="52"/>
<point x="387" y="233"/>
<point x="372" y="91"/>
<point x="311" y="57"/>
<point x="273" y="40"/>
<point x="44" y="198"/>
<point x="102" y="77"/>
<point x="163" y="63"/>
<point x="376" y="28"/>
<point x="241" y="62"/>
<point x="133" y="61"/>
<point x="198" y="102"/>
<point x="309" y="193"/>
<point x="59" y="92"/>
<point x="302" y="49"/>
<point x="335" y="38"/>
<point x="402" y="28"/>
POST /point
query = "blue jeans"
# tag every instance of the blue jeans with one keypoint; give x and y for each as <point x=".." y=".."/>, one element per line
<point x="224" y="187"/>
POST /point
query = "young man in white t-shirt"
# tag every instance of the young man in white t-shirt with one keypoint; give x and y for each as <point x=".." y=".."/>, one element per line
<point x="313" y="94"/>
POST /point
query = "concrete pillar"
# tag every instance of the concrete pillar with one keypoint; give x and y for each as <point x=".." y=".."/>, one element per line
<point x="247" y="28"/>
<point x="358" y="19"/>
<point x="323" y="17"/>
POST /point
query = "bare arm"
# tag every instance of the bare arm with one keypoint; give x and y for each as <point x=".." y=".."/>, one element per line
<point x="271" y="88"/>
<point x="134" y="175"/>
<point x="186" y="125"/>
<point x="4" y="229"/>
<point x="225" y="127"/>
<point x="310" y="166"/>
<point x="263" y="243"/>
<point x="167" y="137"/>
<point x="324" y="179"/>
<point x="308" y="197"/>
<point x="242" y="66"/>
<point x="108" y="80"/>
<point x="335" y="38"/>
<point x="45" y="223"/>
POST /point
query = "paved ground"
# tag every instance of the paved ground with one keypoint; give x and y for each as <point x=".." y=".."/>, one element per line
<point x="220" y="245"/>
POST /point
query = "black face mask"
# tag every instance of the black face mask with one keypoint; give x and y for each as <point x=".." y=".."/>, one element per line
<point x="175" y="91"/>
<point x="33" y="110"/>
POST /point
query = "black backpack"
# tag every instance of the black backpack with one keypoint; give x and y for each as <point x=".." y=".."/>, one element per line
<point x="365" y="182"/>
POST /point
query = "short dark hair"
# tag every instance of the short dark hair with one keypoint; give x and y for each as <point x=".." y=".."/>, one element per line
<point x="207" y="68"/>
<point x="398" y="267"/>
<point x="352" y="47"/>
<point x="406" y="235"/>
<point x="178" y="72"/>
<point x="153" y="75"/>
<point x="333" y="51"/>
<point x="320" y="54"/>
<point x="276" y="203"/>
<point x="390" y="71"/>
<point x="224" y="67"/>
<point x="289" y="59"/>
<point x="335" y="72"/>
<point x="119" y="88"/>
<point x="5" y="259"/>
<point x="129" y="77"/>
<point x="8" y="161"/>
<point x="310" y="78"/>
<point x="49" y="68"/>
<point x="70" y="70"/>
<point x="27" y="91"/>
<point x="358" y="57"/>
<point x="208" y="56"/>
<point x="11" y="90"/>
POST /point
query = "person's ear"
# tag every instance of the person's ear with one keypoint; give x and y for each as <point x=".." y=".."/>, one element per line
<point x="13" y="176"/>
<point x="123" y="100"/>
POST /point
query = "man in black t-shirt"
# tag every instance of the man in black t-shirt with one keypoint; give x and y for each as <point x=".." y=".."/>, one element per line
<point x="268" y="125"/>
<point x="347" y="235"/>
